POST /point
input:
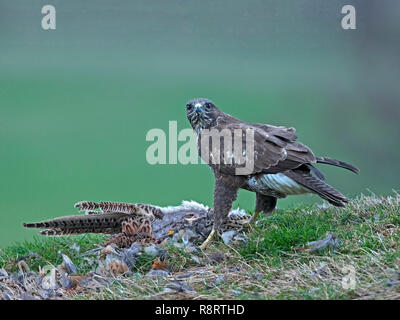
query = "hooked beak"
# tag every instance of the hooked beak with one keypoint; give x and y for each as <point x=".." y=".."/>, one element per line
<point x="198" y="110"/>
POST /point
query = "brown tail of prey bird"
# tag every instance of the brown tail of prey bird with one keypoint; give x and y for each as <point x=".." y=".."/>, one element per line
<point x="257" y="157"/>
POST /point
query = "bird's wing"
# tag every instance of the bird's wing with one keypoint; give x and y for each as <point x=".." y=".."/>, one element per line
<point x="274" y="149"/>
<point x="324" y="190"/>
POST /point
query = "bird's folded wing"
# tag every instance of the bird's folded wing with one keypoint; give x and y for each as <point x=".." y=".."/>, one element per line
<point x="274" y="149"/>
<point x="318" y="186"/>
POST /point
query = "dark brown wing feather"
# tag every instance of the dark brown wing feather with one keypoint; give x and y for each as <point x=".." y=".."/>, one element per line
<point x="317" y="186"/>
<point x="288" y="134"/>
<point x="275" y="148"/>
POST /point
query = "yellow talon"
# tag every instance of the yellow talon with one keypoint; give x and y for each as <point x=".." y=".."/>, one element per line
<point x="208" y="240"/>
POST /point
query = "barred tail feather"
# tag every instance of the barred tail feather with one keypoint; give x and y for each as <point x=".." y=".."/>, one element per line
<point x="70" y="225"/>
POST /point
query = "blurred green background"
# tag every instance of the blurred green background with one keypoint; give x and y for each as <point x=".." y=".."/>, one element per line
<point x="76" y="102"/>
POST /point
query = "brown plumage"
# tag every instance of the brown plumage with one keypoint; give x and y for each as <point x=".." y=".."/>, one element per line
<point x="276" y="166"/>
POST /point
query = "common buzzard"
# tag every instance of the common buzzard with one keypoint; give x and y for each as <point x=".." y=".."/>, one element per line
<point x="279" y="165"/>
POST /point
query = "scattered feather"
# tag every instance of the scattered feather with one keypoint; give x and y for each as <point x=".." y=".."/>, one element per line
<point x="159" y="265"/>
<point x="68" y="265"/>
<point x="157" y="273"/>
<point x="330" y="241"/>
<point x="228" y="236"/>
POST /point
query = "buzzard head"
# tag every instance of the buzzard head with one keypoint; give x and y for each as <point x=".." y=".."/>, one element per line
<point x="202" y="113"/>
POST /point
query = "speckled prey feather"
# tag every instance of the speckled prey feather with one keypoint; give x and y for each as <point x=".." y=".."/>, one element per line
<point x="70" y="225"/>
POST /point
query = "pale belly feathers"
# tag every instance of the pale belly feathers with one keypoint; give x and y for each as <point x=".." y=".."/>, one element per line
<point x="277" y="185"/>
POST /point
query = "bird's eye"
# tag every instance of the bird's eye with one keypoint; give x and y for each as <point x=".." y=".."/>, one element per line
<point x="208" y="106"/>
<point x="189" y="107"/>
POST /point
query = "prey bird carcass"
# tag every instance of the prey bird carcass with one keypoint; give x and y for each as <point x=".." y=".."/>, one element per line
<point x="143" y="223"/>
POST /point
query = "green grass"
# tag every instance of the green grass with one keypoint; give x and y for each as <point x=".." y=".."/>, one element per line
<point x="285" y="230"/>
<point x="271" y="265"/>
<point x="46" y="251"/>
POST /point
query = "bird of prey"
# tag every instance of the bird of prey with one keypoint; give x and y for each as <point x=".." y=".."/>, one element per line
<point x="280" y="165"/>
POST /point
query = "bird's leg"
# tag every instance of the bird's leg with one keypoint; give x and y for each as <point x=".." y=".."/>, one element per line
<point x="225" y="192"/>
<point x="265" y="204"/>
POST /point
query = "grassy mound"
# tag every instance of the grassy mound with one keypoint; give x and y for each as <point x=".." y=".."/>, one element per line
<point x="275" y="263"/>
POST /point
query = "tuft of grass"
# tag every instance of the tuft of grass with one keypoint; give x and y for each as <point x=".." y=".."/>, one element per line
<point x="286" y="230"/>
